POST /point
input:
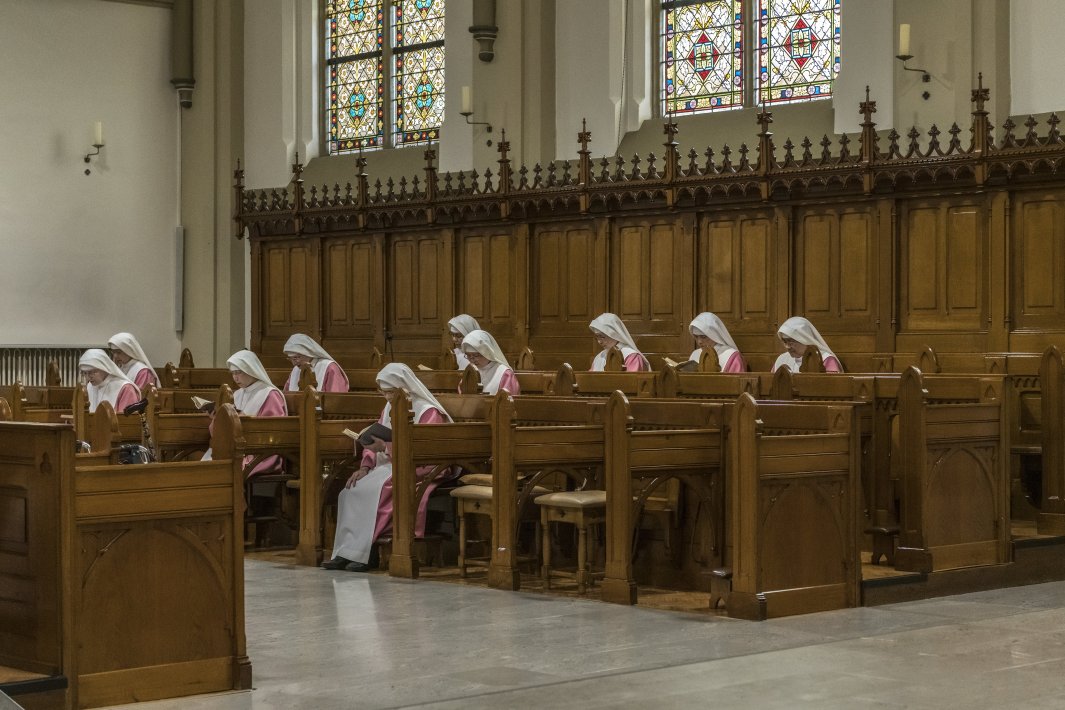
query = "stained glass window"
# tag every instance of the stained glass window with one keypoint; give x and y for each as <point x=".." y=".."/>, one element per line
<point x="702" y="55"/>
<point x="798" y="49"/>
<point x="385" y="61"/>
<point x="419" y="70"/>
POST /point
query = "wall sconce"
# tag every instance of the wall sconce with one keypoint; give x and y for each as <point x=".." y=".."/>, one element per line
<point x="904" y="56"/>
<point x="467" y="111"/>
<point x="97" y="142"/>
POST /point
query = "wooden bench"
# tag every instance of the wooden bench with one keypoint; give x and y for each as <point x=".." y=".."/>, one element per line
<point x="540" y="437"/>
<point x="672" y="383"/>
<point x="327" y="455"/>
<point x="602" y="384"/>
<point x="105" y="570"/>
<point x="466" y="442"/>
<point x="954" y="493"/>
<point x="1051" y="518"/>
<point x="793" y="496"/>
<point x="40" y="404"/>
<point x="648" y="444"/>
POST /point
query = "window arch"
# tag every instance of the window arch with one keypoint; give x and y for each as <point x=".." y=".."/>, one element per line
<point x="708" y="64"/>
<point x="385" y="73"/>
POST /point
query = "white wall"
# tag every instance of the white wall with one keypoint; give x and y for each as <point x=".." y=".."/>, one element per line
<point x="86" y="256"/>
<point x="1036" y="29"/>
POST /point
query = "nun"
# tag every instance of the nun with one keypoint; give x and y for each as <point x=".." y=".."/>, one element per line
<point x="712" y="337"/>
<point x="302" y="351"/>
<point x="610" y="332"/>
<point x="106" y="382"/>
<point x="129" y="355"/>
<point x="798" y="334"/>
<point x="458" y="328"/>
<point x="483" y="352"/>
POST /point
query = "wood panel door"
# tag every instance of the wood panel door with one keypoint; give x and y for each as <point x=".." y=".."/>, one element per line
<point x="420" y="290"/>
<point x="1038" y="254"/>
<point x="492" y="282"/>
<point x="353" y="288"/>
<point x="652" y="279"/>
<point x="289" y="289"/>
<point x="944" y="268"/>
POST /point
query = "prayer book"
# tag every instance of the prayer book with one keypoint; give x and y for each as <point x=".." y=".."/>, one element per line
<point x="204" y="405"/>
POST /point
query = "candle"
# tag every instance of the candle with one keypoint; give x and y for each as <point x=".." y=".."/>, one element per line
<point x="467" y="100"/>
<point x="98" y="133"/>
<point x="904" y="40"/>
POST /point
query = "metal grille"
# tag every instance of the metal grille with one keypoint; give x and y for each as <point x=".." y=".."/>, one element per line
<point x="28" y="363"/>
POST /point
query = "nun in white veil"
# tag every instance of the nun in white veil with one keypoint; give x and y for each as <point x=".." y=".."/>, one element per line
<point x="106" y="382"/>
<point x="496" y="374"/>
<point x="712" y="336"/>
<point x="458" y="328"/>
<point x="610" y="332"/>
<point x="301" y="351"/>
<point x="797" y="334"/>
<point x="364" y="507"/>
<point x="129" y="355"/>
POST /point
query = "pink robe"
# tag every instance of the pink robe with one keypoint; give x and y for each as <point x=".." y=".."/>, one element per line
<point x="126" y="396"/>
<point x="833" y="365"/>
<point x="146" y="377"/>
<point x="735" y="363"/>
<point x="335" y="379"/>
<point x="636" y="362"/>
<point x="274" y="406"/>
<point x="508" y="383"/>
<point x="384" y="506"/>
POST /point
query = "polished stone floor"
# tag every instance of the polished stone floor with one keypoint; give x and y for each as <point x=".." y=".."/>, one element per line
<point x="326" y="640"/>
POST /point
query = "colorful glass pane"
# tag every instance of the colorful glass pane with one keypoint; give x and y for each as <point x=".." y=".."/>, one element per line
<point x="355" y="112"/>
<point x="418" y="43"/>
<point x="798" y="49"/>
<point x="702" y="51"/>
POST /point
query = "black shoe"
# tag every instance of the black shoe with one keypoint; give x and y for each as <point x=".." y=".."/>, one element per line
<point x="336" y="563"/>
<point x="358" y="567"/>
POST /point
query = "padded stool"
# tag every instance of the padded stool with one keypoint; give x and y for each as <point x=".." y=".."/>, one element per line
<point x="581" y="508"/>
<point x="471" y="500"/>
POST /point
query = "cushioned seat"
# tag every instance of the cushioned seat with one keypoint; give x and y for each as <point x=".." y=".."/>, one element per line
<point x="474" y="499"/>
<point x="582" y="509"/>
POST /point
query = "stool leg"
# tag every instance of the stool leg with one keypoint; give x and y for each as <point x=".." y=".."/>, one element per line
<point x="462" y="542"/>
<point x="582" y="557"/>
<point x="545" y="530"/>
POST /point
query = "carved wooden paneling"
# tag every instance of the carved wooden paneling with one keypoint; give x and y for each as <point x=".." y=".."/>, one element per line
<point x="836" y="267"/>
<point x="652" y="274"/>
<point x="351" y="288"/>
<point x="1038" y="231"/>
<point x="566" y="259"/>
<point x="486" y="275"/>
<point x="290" y="287"/>
<point x="420" y="288"/>
<point x="944" y="270"/>
<point x="734" y="270"/>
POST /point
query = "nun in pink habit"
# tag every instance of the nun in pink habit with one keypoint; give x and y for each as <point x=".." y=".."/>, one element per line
<point x="610" y="332"/>
<point x="483" y="352"/>
<point x="712" y="336"/>
<point x="458" y="328"/>
<point x="364" y="508"/>
<point x="106" y="382"/>
<point x="256" y="397"/>
<point x="302" y="350"/>
<point x="129" y="355"/>
<point x="797" y="334"/>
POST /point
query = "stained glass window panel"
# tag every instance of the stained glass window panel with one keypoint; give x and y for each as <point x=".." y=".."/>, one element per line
<point x="419" y="70"/>
<point x="355" y="112"/>
<point x="702" y="56"/>
<point x="798" y="49"/>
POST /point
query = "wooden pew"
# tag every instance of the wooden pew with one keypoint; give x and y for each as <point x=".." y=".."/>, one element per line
<point x="793" y="509"/>
<point x="6" y="414"/>
<point x="130" y="624"/>
<point x="672" y="383"/>
<point x="179" y="431"/>
<point x="327" y="454"/>
<point x="648" y="443"/>
<point x="954" y="503"/>
<point x="465" y="442"/>
<point x="213" y="377"/>
<point x="40" y="404"/>
<point x="602" y="384"/>
<point x="1051" y="518"/>
<point x="541" y="436"/>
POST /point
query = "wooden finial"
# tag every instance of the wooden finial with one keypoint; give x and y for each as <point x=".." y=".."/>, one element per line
<point x="980" y="94"/>
<point x="585" y="136"/>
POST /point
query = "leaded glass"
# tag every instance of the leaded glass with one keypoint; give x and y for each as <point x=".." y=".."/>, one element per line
<point x="798" y="49"/>
<point x="419" y="70"/>
<point x="702" y="51"/>
<point x="355" y="33"/>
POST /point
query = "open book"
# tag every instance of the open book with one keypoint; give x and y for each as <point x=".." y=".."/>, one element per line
<point x="423" y="368"/>
<point x="351" y="434"/>
<point x="686" y="366"/>
<point x="204" y="405"/>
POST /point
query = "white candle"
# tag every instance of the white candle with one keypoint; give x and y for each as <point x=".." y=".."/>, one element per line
<point x="904" y="40"/>
<point x="98" y="133"/>
<point x="467" y="100"/>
